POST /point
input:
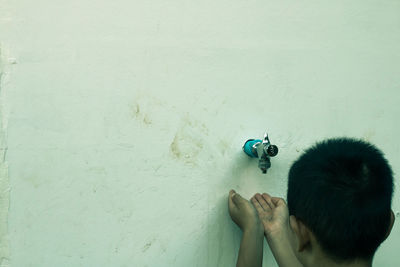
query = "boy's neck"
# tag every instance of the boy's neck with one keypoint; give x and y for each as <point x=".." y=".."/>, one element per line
<point x="326" y="262"/>
<point x="314" y="256"/>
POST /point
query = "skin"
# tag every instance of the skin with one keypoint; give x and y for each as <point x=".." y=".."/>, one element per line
<point x="291" y="242"/>
<point x="274" y="215"/>
<point x="245" y="216"/>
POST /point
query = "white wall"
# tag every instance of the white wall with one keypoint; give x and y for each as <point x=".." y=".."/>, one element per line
<point x="123" y="121"/>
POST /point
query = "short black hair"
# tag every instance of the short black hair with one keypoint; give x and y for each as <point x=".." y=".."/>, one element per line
<point x="341" y="189"/>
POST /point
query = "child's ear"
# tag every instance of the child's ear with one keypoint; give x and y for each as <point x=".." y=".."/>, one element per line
<point x="392" y="217"/>
<point x="301" y="231"/>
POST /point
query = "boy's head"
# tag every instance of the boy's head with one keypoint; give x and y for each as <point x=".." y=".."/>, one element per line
<point x="340" y="193"/>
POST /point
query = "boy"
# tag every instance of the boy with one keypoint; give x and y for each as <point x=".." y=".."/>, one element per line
<point x="338" y="211"/>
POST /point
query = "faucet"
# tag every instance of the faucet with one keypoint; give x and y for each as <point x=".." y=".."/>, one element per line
<point x="261" y="149"/>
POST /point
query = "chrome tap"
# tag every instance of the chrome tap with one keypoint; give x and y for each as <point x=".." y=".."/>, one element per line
<point x="261" y="149"/>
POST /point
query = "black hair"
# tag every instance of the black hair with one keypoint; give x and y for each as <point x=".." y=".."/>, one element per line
<point x="341" y="189"/>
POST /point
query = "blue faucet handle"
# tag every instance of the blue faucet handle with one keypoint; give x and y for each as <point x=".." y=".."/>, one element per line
<point x="249" y="147"/>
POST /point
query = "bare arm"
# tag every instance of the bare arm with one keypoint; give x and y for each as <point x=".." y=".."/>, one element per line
<point x="283" y="252"/>
<point x="274" y="216"/>
<point x="244" y="214"/>
<point x="251" y="249"/>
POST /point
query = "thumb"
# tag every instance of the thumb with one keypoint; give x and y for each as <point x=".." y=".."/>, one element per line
<point x="237" y="198"/>
<point x="230" y="200"/>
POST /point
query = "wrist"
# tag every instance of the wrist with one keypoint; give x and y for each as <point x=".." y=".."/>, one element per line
<point x="277" y="231"/>
<point x="278" y="240"/>
<point x="276" y="235"/>
<point x="255" y="228"/>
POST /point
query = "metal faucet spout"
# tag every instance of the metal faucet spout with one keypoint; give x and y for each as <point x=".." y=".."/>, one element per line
<point x="261" y="149"/>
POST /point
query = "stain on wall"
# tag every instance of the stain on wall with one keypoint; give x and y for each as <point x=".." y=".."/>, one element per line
<point x="138" y="115"/>
<point x="188" y="141"/>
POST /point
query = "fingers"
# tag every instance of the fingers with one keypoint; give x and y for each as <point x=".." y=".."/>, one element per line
<point x="234" y="198"/>
<point x="278" y="201"/>
<point x="231" y="192"/>
<point x="266" y="202"/>
<point x="269" y="201"/>
<point x="262" y="202"/>
<point x="256" y="204"/>
<point x="260" y="199"/>
<point x="237" y="198"/>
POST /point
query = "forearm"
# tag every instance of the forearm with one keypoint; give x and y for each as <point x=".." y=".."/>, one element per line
<point x="251" y="248"/>
<point x="283" y="252"/>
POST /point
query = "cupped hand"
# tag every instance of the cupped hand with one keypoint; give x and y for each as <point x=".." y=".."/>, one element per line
<point x="273" y="213"/>
<point x="242" y="212"/>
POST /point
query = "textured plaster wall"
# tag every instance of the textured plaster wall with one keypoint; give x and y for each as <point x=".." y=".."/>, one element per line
<point x="123" y="121"/>
<point x="4" y="181"/>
